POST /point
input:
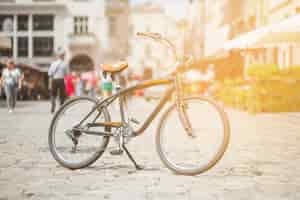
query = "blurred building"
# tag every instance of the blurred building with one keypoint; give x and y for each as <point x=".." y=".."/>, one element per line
<point x="85" y="33"/>
<point x="218" y="13"/>
<point x="117" y="14"/>
<point x="91" y="32"/>
<point x="261" y="31"/>
<point x="193" y="28"/>
<point x="32" y="26"/>
<point x="284" y="18"/>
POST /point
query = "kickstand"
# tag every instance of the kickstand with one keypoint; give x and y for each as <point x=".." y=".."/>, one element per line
<point x="137" y="167"/>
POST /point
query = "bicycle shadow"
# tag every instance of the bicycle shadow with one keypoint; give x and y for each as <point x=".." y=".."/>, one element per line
<point x="130" y="168"/>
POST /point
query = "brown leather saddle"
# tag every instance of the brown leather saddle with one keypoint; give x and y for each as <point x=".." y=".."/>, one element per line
<point x="114" y="68"/>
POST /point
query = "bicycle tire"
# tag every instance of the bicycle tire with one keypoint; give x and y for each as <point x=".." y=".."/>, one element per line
<point x="215" y="158"/>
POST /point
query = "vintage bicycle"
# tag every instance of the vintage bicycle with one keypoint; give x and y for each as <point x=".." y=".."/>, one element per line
<point x="192" y="135"/>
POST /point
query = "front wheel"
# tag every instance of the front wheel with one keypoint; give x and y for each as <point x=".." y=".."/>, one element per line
<point x="192" y="154"/>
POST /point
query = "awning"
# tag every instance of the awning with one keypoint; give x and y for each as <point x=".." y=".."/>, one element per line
<point x="277" y="38"/>
<point x="246" y="40"/>
<point x="5" y="42"/>
<point x="291" y="24"/>
<point x="286" y="31"/>
<point x="34" y="67"/>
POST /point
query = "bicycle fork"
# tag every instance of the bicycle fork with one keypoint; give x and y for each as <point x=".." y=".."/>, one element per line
<point x="181" y="107"/>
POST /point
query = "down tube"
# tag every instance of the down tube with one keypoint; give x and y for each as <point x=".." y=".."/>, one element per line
<point x="155" y="112"/>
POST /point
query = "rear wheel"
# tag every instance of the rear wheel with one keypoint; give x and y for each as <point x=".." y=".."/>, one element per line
<point x="75" y="149"/>
<point x="192" y="155"/>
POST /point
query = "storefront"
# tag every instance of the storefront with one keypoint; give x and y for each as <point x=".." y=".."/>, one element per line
<point x="34" y="84"/>
<point x="277" y="43"/>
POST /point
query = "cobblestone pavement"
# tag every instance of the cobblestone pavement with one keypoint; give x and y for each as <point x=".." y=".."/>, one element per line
<point x="262" y="162"/>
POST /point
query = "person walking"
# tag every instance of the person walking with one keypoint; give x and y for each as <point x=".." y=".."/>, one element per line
<point x="70" y="84"/>
<point x="57" y="72"/>
<point x="92" y="84"/>
<point x="107" y="84"/>
<point x="79" y="85"/>
<point x="11" y="81"/>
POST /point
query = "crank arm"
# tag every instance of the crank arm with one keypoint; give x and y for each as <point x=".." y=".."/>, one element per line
<point x="70" y="135"/>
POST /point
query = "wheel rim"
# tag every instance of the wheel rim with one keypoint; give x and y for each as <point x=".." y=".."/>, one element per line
<point x="185" y="154"/>
<point x="89" y="146"/>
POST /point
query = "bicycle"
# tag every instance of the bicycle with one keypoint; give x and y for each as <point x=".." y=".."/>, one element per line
<point x="94" y="124"/>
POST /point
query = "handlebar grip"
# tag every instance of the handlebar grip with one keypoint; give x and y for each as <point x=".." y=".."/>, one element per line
<point x="140" y="34"/>
<point x="151" y="35"/>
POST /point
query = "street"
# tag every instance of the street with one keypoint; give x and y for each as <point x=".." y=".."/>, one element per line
<point x="262" y="162"/>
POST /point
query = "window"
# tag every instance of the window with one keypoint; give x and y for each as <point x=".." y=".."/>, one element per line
<point x="22" y="46"/>
<point x="81" y="25"/>
<point x="6" y="23"/>
<point x="22" y="22"/>
<point x="7" y="52"/>
<point x="43" y="22"/>
<point x="43" y="46"/>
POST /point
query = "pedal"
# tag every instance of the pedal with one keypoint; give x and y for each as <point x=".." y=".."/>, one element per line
<point x="72" y="137"/>
<point x="116" y="152"/>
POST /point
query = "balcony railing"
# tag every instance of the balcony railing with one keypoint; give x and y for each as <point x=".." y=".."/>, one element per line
<point x="32" y="1"/>
<point x="47" y="1"/>
<point x="7" y="1"/>
<point x="15" y="4"/>
<point x="82" y="39"/>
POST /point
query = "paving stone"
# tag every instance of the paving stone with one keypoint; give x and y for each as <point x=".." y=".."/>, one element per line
<point x="262" y="162"/>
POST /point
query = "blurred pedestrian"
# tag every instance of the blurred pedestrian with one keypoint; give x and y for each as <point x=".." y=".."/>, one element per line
<point x="70" y="84"/>
<point x="107" y="84"/>
<point x="57" y="72"/>
<point x="79" y="85"/>
<point x="11" y="81"/>
<point x="91" y="84"/>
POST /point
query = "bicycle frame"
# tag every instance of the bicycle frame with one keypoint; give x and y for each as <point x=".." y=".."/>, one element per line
<point x="119" y="95"/>
<point x="175" y="83"/>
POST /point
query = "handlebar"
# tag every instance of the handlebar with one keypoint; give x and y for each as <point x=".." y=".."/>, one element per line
<point x="180" y="64"/>
<point x="159" y="38"/>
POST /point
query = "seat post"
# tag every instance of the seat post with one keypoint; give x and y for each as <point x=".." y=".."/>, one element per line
<point x="115" y="69"/>
<point x="121" y="104"/>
